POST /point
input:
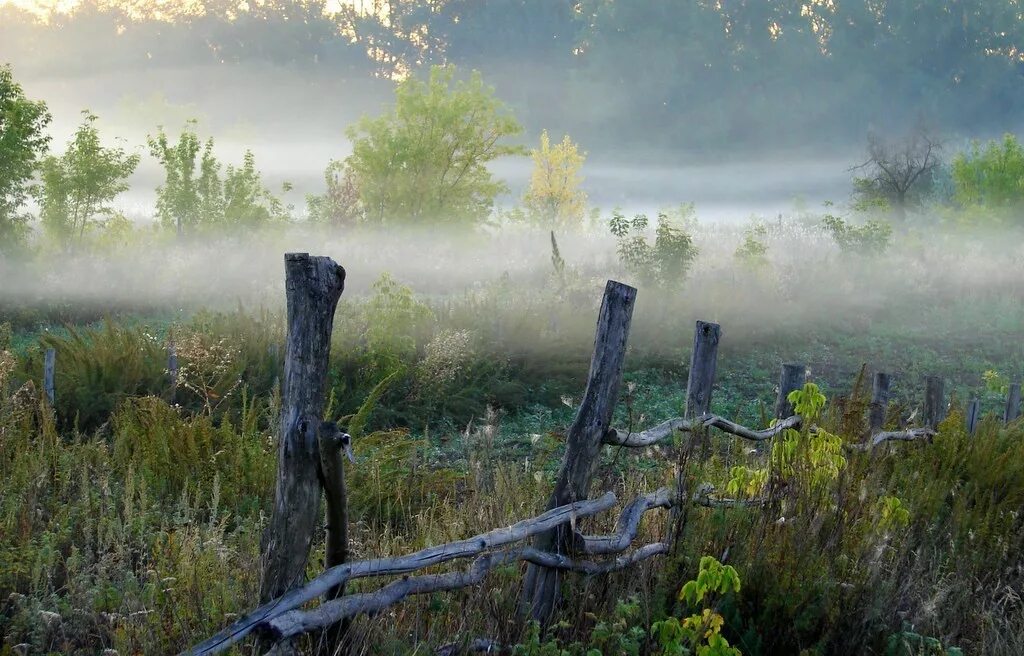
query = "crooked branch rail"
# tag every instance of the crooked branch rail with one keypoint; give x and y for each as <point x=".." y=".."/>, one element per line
<point x="314" y="286"/>
<point x="281" y="617"/>
<point x="664" y="430"/>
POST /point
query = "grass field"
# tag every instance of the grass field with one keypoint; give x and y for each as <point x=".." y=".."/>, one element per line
<point x="131" y="512"/>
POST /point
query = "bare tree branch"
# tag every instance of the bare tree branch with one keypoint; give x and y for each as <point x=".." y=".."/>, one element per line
<point x="296" y="622"/>
<point x="649" y="437"/>
<point x="341" y="574"/>
<point x="627" y="526"/>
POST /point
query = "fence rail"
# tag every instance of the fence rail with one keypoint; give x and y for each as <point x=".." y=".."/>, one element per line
<point x="309" y="467"/>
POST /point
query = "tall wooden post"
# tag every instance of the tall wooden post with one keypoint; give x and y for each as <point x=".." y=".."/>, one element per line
<point x="49" y="371"/>
<point x="791" y="378"/>
<point x="934" y="401"/>
<point x="313" y="286"/>
<point x="879" y="401"/>
<point x="972" y="416"/>
<point x="703" y="361"/>
<point x="583" y="441"/>
<point x="1012" y="403"/>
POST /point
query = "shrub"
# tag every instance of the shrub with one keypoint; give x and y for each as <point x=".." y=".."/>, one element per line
<point x="872" y="238"/>
<point x="664" y="263"/>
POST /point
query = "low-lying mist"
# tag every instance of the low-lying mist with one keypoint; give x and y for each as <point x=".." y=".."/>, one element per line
<point x="927" y="282"/>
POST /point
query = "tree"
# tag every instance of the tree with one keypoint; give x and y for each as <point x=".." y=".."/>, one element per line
<point x="22" y="142"/>
<point x="247" y="202"/>
<point x="426" y="160"/>
<point x="992" y="176"/>
<point x="898" y="171"/>
<point x="187" y="199"/>
<point x="554" y="198"/>
<point x="78" y="187"/>
<point x="339" y="205"/>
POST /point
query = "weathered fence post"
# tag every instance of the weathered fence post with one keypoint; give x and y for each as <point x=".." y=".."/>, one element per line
<point x="792" y="378"/>
<point x="699" y="383"/>
<point x="703" y="361"/>
<point x="583" y="441"/>
<point x="934" y="401"/>
<point x="313" y="286"/>
<point x="1012" y="403"/>
<point x="49" y="368"/>
<point x="972" y="415"/>
<point x="879" y="401"/>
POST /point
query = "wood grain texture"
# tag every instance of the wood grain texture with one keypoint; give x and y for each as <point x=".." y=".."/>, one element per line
<point x="313" y="286"/>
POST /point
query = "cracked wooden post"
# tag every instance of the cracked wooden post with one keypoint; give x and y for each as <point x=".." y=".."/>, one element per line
<point x="540" y="592"/>
<point x="332" y="443"/>
<point x="1012" y="403"/>
<point x="703" y="361"/>
<point x="879" y="401"/>
<point x="972" y="416"/>
<point x="313" y="286"/>
<point x="791" y="378"/>
<point x="49" y="372"/>
<point x="701" y="379"/>
<point x="934" y="401"/>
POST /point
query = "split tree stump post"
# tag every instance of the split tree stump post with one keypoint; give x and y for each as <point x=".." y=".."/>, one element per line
<point x="879" y="401"/>
<point x="703" y="361"/>
<point x="791" y="378"/>
<point x="583" y="442"/>
<point x="699" y="384"/>
<point x="313" y="286"/>
<point x="1012" y="403"/>
<point x="972" y="416"/>
<point x="934" y="401"/>
<point x="49" y="371"/>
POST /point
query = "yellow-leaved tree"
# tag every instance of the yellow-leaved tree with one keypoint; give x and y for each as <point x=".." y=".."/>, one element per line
<point x="554" y="198"/>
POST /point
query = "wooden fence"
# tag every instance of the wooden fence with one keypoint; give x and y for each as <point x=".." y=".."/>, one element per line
<point x="309" y="465"/>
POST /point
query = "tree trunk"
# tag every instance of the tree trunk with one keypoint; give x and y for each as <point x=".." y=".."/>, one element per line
<point x="791" y="379"/>
<point x="540" y="593"/>
<point x="313" y="286"/>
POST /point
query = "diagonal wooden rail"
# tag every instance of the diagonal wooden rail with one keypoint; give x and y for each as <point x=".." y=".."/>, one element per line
<point x="281" y="617"/>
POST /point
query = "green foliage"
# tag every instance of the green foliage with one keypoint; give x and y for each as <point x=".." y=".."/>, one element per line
<point x="700" y="634"/>
<point x="340" y="204"/>
<point x="97" y="368"/>
<point x="393" y="319"/>
<point x="78" y="187"/>
<point x="23" y="140"/>
<point x="712" y="578"/>
<point x="872" y="238"/>
<point x="892" y="513"/>
<point x="666" y="262"/>
<point x="188" y="198"/>
<point x="991" y="176"/>
<point x="996" y="382"/>
<point x="753" y="252"/>
<point x="247" y="203"/>
<point x="188" y="201"/>
<point x="909" y="643"/>
<point x="426" y="159"/>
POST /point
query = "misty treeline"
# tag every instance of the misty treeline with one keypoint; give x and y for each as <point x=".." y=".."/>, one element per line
<point x="652" y="76"/>
<point x="424" y="161"/>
